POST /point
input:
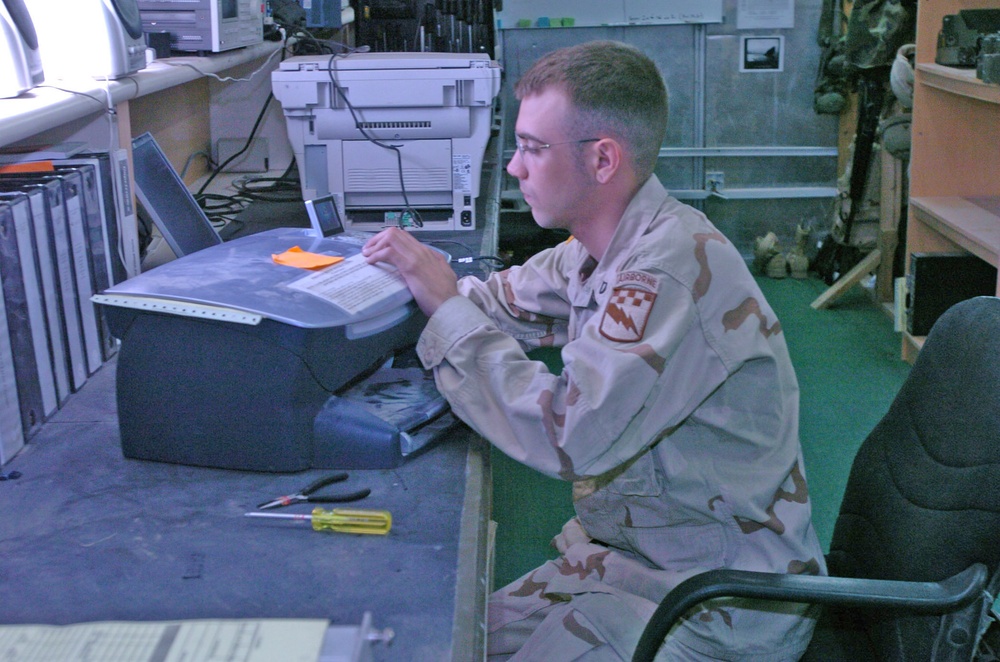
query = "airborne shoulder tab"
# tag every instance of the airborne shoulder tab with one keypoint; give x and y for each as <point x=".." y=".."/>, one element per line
<point x="637" y="280"/>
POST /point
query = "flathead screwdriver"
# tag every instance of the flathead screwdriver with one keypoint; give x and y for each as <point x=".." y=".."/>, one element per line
<point x="342" y="520"/>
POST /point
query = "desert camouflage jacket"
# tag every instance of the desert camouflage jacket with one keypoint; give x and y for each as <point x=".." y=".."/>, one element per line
<point x="676" y="412"/>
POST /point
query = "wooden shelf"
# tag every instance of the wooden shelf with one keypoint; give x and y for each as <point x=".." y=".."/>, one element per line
<point x="912" y="346"/>
<point x="62" y="101"/>
<point x="963" y="222"/>
<point x="954" y="153"/>
<point x="962" y="82"/>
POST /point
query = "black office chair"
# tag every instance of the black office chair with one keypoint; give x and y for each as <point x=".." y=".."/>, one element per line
<point x="916" y="546"/>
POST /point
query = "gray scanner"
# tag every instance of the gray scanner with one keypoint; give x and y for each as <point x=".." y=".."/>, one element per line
<point x="224" y="363"/>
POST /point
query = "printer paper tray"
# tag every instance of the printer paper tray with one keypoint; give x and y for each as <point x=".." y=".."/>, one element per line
<point x="377" y="422"/>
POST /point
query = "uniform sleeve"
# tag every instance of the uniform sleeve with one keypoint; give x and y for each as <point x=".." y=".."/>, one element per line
<point x="526" y="302"/>
<point x="594" y="416"/>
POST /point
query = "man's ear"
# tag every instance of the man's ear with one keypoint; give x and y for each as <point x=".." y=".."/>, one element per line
<point x="610" y="158"/>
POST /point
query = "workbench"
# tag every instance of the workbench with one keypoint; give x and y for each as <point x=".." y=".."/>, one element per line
<point x="88" y="535"/>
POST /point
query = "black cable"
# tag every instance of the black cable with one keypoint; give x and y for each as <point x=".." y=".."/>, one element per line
<point x="221" y="209"/>
<point x="223" y="213"/>
<point x="253" y="132"/>
<point x="493" y="261"/>
<point x="415" y="215"/>
<point x="307" y="44"/>
<point x="246" y="146"/>
<point x="284" y="188"/>
<point x="227" y="203"/>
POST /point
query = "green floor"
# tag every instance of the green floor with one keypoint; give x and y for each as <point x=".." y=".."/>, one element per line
<point x="847" y="358"/>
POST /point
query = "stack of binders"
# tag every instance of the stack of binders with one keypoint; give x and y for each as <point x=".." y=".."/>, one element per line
<point x="60" y="243"/>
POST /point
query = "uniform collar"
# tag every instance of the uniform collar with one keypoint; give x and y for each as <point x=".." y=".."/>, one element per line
<point x="632" y="227"/>
<point x="638" y="215"/>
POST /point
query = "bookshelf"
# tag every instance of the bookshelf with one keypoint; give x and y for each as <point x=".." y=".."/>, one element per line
<point x="955" y="154"/>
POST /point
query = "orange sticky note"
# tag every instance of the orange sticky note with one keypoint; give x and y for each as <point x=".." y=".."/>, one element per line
<point x="296" y="257"/>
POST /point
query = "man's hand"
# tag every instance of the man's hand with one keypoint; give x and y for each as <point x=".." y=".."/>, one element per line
<point x="425" y="270"/>
<point x="571" y="534"/>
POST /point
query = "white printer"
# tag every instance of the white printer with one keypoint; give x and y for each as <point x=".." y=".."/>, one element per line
<point x="389" y="133"/>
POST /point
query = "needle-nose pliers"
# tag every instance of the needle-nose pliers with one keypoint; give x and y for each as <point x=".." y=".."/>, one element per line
<point x="307" y="494"/>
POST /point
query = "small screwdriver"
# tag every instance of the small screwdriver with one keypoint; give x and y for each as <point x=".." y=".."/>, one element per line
<point x="343" y="520"/>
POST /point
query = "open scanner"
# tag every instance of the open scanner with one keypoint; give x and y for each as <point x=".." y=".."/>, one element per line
<point x="228" y="360"/>
<point x="434" y="109"/>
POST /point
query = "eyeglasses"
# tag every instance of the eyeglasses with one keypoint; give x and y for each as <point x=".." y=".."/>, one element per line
<point x="535" y="150"/>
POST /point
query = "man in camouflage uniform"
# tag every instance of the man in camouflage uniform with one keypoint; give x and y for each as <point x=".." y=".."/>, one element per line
<point x="676" y="413"/>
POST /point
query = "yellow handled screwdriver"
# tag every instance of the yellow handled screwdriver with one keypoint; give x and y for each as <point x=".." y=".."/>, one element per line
<point x="343" y="520"/>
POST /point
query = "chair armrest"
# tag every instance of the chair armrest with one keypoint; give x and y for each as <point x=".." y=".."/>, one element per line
<point x="940" y="597"/>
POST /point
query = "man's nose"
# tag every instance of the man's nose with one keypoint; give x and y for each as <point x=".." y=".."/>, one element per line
<point x="515" y="167"/>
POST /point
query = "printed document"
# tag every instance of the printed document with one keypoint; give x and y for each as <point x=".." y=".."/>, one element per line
<point x="352" y="284"/>
<point x="261" y="640"/>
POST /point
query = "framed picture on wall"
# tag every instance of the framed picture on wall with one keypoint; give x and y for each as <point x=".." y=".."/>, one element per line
<point x="759" y="54"/>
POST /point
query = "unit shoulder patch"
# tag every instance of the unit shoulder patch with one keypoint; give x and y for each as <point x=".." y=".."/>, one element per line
<point x="626" y="313"/>
<point x="637" y="280"/>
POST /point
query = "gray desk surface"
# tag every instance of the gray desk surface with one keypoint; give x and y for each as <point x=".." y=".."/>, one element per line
<point x="88" y="535"/>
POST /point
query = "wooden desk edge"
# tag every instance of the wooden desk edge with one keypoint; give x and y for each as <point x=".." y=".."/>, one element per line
<point x="474" y="574"/>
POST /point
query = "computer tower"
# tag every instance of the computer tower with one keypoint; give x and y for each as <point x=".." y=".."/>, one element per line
<point x="937" y="281"/>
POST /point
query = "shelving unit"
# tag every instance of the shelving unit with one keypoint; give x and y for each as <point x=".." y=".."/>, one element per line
<point x="172" y="99"/>
<point x="955" y="153"/>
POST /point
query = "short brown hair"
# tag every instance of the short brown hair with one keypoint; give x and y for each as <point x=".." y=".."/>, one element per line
<point x="614" y="88"/>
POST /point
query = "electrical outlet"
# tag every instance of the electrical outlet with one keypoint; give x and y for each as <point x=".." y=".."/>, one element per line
<point x="715" y="180"/>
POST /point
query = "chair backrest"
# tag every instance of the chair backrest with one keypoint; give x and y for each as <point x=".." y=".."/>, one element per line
<point x="923" y="498"/>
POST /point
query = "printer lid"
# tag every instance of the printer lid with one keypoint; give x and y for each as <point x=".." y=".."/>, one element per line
<point x="241" y="275"/>
<point x="375" y="61"/>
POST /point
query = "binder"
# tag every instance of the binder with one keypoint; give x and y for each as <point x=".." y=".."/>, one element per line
<point x="127" y="222"/>
<point x="49" y="283"/>
<point x="92" y="220"/>
<point x="50" y="218"/>
<point x="108" y="205"/>
<point x="96" y="239"/>
<point x="29" y="392"/>
<point x="20" y="211"/>
<point x="11" y="434"/>
<point x="72" y="198"/>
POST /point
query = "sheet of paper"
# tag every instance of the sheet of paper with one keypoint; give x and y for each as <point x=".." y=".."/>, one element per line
<point x="262" y="640"/>
<point x="765" y="14"/>
<point x="352" y="284"/>
<point x="617" y="12"/>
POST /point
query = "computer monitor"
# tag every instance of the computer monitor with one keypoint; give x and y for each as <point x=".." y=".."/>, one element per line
<point x="166" y="198"/>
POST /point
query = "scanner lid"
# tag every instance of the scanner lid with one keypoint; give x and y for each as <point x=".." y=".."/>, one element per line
<point x="241" y="275"/>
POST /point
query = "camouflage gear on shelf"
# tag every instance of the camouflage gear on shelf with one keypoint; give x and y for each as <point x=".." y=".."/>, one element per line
<point x="675" y="417"/>
<point x="876" y="29"/>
